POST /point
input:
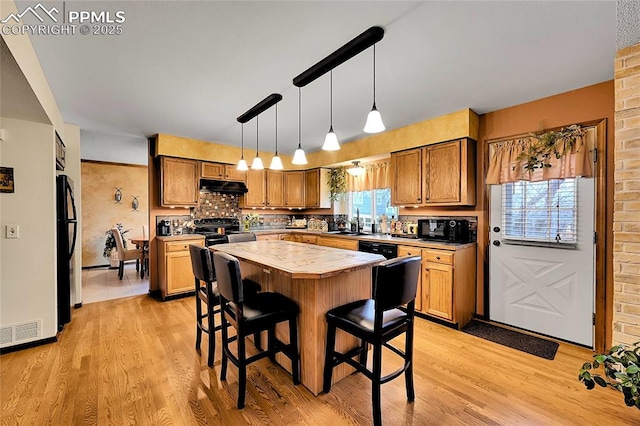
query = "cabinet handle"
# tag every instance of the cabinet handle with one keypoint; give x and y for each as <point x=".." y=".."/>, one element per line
<point x="438" y="257"/>
<point x="418" y="199"/>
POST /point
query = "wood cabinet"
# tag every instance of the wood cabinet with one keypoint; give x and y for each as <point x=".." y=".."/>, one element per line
<point x="309" y="239"/>
<point x="407" y="177"/>
<point x="414" y="251"/>
<point x="294" y="189"/>
<point x="439" y="174"/>
<point x="221" y="171"/>
<point x="266" y="188"/>
<point x="316" y="193"/>
<point x="292" y="237"/>
<point x="341" y="243"/>
<point x="449" y="284"/>
<point x="175" y="276"/>
<point x="178" y="182"/>
<point x="275" y="188"/>
<point x="265" y="237"/>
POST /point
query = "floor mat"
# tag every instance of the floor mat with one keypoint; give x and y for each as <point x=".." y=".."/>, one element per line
<point x="513" y="339"/>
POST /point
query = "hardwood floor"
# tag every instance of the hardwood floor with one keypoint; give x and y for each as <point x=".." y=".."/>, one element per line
<point x="132" y="361"/>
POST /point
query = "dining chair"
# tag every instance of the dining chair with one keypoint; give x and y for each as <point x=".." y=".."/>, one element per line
<point x="125" y="254"/>
<point x="375" y="322"/>
<point x="251" y="314"/>
<point x="241" y="237"/>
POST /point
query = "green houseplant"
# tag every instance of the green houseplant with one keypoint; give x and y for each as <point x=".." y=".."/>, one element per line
<point x="337" y="183"/>
<point x="621" y="371"/>
<point x="110" y="247"/>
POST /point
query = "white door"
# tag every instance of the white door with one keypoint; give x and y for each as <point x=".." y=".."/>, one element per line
<point x="541" y="257"/>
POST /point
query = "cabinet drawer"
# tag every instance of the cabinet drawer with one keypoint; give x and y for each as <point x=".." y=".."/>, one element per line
<point x="438" y="256"/>
<point x="178" y="246"/>
<point x="309" y="239"/>
<point x="408" y="251"/>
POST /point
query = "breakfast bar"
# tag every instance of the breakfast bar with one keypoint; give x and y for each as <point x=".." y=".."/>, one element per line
<point x="318" y="278"/>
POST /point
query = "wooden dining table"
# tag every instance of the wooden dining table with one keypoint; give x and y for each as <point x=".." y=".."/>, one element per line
<point x="143" y="244"/>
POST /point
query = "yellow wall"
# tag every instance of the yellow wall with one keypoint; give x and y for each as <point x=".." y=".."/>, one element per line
<point x="100" y="211"/>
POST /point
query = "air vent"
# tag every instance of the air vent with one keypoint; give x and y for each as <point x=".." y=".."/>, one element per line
<point x="16" y="333"/>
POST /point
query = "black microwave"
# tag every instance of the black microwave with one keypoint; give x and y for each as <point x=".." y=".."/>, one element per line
<point x="446" y="230"/>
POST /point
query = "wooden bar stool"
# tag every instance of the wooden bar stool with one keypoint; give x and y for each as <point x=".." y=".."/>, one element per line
<point x="250" y="314"/>
<point x="376" y="321"/>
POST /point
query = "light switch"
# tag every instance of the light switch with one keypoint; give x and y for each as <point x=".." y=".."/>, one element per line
<point x="12" y="231"/>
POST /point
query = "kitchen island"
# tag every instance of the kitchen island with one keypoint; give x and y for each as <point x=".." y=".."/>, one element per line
<point x="318" y="278"/>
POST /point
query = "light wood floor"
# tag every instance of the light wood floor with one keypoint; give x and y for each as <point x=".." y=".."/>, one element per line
<point x="132" y="361"/>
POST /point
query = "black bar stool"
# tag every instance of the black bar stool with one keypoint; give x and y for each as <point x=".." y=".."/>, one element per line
<point x="207" y="293"/>
<point x="376" y="321"/>
<point x="250" y="314"/>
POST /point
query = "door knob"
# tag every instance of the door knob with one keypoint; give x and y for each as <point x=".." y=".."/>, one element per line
<point x="496" y="229"/>
<point x="496" y="243"/>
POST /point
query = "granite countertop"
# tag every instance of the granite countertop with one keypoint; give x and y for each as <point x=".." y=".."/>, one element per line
<point x="381" y="238"/>
<point x="300" y="260"/>
<point x="183" y="237"/>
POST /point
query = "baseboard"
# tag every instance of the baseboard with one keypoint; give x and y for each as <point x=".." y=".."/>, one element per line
<point x="78" y="305"/>
<point x="28" y="345"/>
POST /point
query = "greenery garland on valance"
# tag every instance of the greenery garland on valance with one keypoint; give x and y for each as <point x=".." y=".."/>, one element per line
<point x="544" y="156"/>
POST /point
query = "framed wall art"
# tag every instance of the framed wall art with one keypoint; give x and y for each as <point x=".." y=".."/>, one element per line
<point x="6" y="179"/>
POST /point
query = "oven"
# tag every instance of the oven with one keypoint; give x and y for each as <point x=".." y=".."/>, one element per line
<point x="215" y="230"/>
<point x="389" y="251"/>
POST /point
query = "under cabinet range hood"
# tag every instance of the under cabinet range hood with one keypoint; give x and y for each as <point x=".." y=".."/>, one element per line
<point x="223" y="186"/>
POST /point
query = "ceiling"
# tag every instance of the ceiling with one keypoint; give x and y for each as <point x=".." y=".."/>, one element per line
<point x="190" y="68"/>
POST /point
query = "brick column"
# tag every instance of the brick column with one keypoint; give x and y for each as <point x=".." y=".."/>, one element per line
<point x="626" y="221"/>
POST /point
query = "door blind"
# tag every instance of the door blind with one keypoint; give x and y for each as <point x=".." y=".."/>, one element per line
<point x="540" y="212"/>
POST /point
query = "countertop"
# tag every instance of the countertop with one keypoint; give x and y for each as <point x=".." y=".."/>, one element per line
<point x="300" y="260"/>
<point x="183" y="237"/>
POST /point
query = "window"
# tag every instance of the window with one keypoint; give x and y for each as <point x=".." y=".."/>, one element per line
<point x="372" y="204"/>
<point x="540" y="212"/>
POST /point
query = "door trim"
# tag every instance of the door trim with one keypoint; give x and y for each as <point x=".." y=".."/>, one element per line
<point x="603" y="289"/>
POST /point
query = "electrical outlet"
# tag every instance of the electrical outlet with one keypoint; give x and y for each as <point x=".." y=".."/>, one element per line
<point x="12" y="231"/>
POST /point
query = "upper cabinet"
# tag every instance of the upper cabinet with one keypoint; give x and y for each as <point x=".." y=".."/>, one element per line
<point x="221" y="171"/>
<point x="316" y="193"/>
<point x="275" y="188"/>
<point x="438" y="175"/>
<point x="178" y="182"/>
<point x="266" y="188"/>
<point x="294" y="189"/>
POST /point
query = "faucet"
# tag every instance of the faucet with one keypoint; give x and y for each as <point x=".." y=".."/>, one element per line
<point x="358" y="228"/>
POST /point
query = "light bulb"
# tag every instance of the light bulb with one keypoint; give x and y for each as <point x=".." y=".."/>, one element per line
<point x="331" y="141"/>
<point x="299" y="157"/>
<point x="276" y="163"/>
<point x="242" y="165"/>
<point x="257" y="164"/>
<point x="374" y="122"/>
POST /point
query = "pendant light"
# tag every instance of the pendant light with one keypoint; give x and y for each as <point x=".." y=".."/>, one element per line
<point x="276" y="162"/>
<point x="331" y="140"/>
<point x="374" y="119"/>
<point x="257" y="162"/>
<point x="299" y="157"/>
<point x="242" y="164"/>
<point x="356" y="169"/>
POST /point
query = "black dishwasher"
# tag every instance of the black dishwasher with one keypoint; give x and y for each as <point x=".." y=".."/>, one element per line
<point x="389" y="251"/>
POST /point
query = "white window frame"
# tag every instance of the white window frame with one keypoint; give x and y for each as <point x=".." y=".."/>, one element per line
<point x="374" y="214"/>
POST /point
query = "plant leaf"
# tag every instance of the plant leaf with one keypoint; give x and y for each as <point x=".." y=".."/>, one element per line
<point x="600" y="381"/>
<point x="633" y="369"/>
<point x="601" y="358"/>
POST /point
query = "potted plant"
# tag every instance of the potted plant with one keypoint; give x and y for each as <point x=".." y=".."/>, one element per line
<point x="110" y="248"/>
<point x="337" y="183"/>
<point x="621" y="371"/>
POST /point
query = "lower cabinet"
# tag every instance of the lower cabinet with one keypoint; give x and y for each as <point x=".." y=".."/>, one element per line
<point x="266" y="237"/>
<point x="175" y="273"/>
<point x="340" y="243"/>
<point x="447" y="283"/>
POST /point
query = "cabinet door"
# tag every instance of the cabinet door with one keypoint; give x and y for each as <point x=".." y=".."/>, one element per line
<point x="231" y="172"/>
<point x="407" y="177"/>
<point x="414" y="251"/>
<point x="275" y="188"/>
<point x="294" y="189"/>
<point x="338" y="243"/>
<point x="179" y="186"/>
<point x="211" y="170"/>
<point x="437" y="280"/>
<point x="256" y="197"/>
<point x="312" y="188"/>
<point x="179" y="273"/>
<point x="442" y="168"/>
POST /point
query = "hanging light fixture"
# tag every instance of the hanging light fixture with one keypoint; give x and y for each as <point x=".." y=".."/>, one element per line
<point x="374" y="119"/>
<point x="331" y="140"/>
<point x="257" y="162"/>
<point x="299" y="157"/>
<point x="242" y="164"/>
<point x="276" y="162"/>
<point x="356" y="169"/>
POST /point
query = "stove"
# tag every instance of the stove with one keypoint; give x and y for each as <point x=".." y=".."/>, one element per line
<point x="215" y="229"/>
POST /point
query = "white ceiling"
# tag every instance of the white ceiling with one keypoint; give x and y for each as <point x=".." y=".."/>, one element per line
<point x="190" y="68"/>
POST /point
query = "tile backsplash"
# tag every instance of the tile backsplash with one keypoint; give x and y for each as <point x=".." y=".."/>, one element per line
<point x="215" y="204"/>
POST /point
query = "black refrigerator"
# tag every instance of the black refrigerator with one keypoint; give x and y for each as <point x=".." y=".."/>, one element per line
<point x="67" y="232"/>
